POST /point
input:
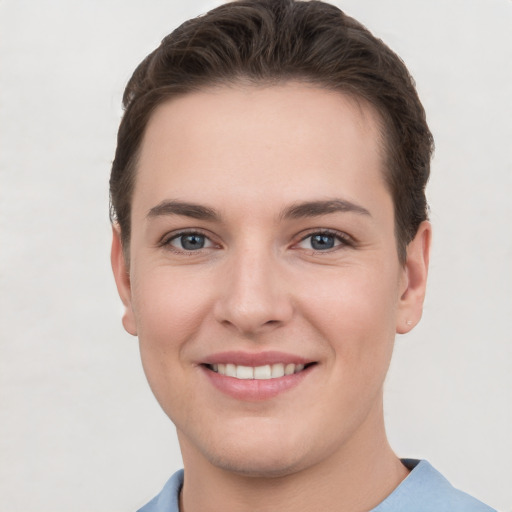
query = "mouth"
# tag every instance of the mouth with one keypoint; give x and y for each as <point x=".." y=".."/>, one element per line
<point x="264" y="372"/>
<point x="258" y="376"/>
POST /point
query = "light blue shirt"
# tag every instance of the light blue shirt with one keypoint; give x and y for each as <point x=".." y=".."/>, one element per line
<point x="424" y="490"/>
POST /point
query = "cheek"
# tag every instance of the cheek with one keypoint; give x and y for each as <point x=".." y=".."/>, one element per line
<point x="169" y="311"/>
<point x="168" y="306"/>
<point x="355" y="312"/>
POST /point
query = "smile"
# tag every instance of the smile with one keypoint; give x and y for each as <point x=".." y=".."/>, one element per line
<point x="258" y="376"/>
<point x="265" y="372"/>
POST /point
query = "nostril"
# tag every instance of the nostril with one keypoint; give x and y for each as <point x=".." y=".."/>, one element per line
<point x="248" y="308"/>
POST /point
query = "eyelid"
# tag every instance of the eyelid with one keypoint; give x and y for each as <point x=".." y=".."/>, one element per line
<point x="166" y="240"/>
<point x="345" y="239"/>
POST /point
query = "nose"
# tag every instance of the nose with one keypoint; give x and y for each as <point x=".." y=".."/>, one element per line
<point x="254" y="296"/>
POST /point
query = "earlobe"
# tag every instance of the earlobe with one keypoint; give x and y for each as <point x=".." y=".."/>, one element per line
<point x="410" y="305"/>
<point x="122" y="278"/>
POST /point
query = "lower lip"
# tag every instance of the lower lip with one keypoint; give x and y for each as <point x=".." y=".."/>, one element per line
<point x="254" y="390"/>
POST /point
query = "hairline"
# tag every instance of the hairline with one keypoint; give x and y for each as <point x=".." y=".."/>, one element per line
<point x="384" y="142"/>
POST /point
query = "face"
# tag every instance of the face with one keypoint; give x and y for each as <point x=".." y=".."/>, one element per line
<point x="264" y="283"/>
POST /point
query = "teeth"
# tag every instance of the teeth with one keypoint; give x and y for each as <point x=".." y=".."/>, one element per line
<point x="244" y="372"/>
<point x="263" y="372"/>
<point x="277" y="370"/>
<point x="289" y="369"/>
<point x="266" y="372"/>
<point x="231" y="370"/>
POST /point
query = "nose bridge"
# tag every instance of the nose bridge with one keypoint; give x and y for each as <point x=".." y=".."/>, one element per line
<point x="252" y="296"/>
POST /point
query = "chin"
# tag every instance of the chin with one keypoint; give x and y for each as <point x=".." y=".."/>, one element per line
<point x="256" y="465"/>
<point x="251" y="452"/>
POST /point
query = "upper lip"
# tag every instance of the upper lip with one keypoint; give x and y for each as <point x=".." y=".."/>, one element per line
<point x="255" y="358"/>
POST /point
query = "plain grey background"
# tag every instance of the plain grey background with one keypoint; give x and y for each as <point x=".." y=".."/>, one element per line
<point x="79" y="428"/>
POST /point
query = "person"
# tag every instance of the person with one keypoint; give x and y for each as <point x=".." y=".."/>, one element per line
<point x="270" y="238"/>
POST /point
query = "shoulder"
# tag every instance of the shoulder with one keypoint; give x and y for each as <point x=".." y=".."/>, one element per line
<point x="168" y="498"/>
<point x="426" y="490"/>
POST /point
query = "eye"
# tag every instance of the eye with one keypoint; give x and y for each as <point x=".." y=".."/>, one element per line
<point x="323" y="241"/>
<point x="189" y="242"/>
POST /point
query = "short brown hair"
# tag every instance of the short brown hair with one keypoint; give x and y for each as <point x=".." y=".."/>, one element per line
<point x="274" y="41"/>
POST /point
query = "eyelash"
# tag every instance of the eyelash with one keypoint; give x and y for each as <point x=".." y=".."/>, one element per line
<point x="343" y="240"/>
<point x="166" y="241"/>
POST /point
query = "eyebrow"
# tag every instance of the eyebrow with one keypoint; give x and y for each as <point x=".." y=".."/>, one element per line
<point x="195" y="211"/>
<point x="318" y="208"/>
<point x="295" y="211"/>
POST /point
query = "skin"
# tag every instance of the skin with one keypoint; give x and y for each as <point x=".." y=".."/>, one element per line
<point x="251" y="154"/>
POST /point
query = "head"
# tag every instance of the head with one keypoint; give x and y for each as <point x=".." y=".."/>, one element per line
<point x="267" y="42"/>
<point x="268" y="193"/>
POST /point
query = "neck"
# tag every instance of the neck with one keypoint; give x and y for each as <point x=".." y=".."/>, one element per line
<point x="358" y="476"/>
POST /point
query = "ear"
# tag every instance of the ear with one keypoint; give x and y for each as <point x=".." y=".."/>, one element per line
<point x="122" y="278"/>
<point x="413" y="286"/>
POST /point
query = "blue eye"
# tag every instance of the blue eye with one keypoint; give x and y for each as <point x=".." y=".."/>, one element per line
<point x="323" y="241"/>
<point x="190" y="242"/>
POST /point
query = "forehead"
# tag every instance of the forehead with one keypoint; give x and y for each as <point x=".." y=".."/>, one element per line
<point x="241" y="138"/>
